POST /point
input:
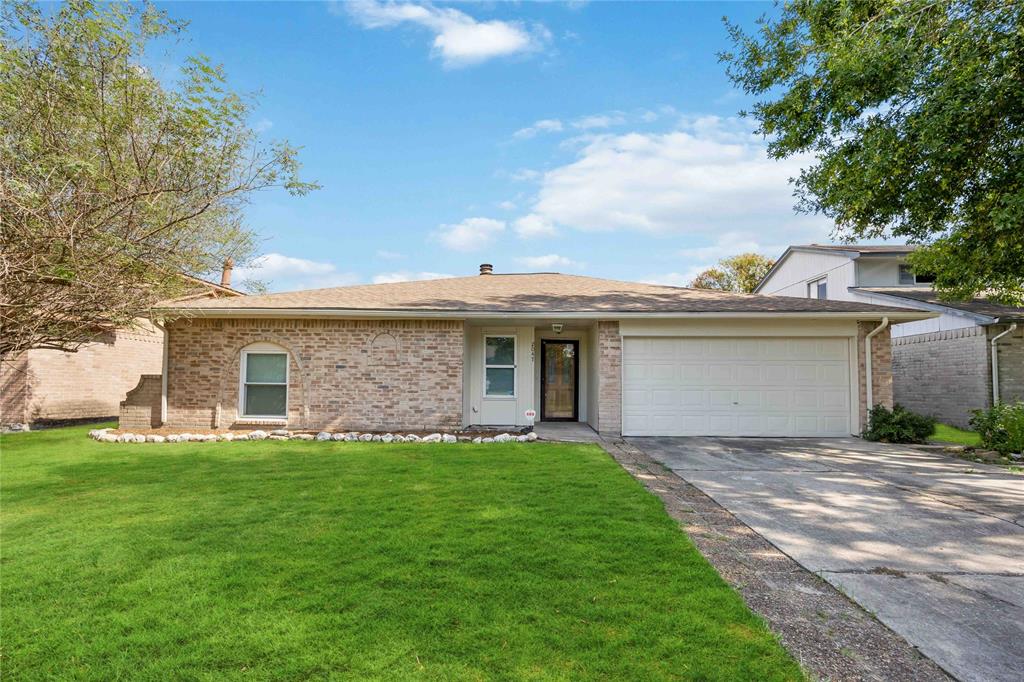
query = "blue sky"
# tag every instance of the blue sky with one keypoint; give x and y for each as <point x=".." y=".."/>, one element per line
<point x="596" y="138"/>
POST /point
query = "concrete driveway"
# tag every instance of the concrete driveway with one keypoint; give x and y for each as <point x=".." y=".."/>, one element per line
<point x="932" y="545"/>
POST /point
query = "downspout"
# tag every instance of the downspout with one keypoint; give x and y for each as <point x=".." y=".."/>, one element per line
<point x="868" y="384"/>
<point x="995" y="362"/>
<point x="163" y="374"/>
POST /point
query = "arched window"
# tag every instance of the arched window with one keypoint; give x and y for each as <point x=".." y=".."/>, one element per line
<point x="263" y="390"/>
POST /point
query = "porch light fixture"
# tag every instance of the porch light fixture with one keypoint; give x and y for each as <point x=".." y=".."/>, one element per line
<point x="557" y="327"/>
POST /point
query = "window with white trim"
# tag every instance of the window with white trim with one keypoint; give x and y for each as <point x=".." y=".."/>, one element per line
<point x="264" y="382"/>
<point x="500" y="366"/>
<point x="818" y="288"/>
<point x="908" y="276"/>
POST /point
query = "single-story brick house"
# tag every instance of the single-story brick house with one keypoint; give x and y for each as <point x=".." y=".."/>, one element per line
<point x="493" y="349"/>
<point x="43" y="385"/>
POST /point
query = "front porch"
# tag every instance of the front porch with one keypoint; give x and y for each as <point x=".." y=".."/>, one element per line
<point x="539" y="372"/>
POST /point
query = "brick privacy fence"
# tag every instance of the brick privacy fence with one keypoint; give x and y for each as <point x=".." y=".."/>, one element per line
<point x="948" y="374"/>
<point x="343" y="374"/>
<point x="943" y="374"/>
<point x="881" y="368"/>
<point x="141" y="408"/>
<point x="41" y="385"/>
<point x="609" y="395"/>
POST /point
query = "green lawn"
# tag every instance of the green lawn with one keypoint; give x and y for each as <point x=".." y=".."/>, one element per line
<point x="944" y="433"/>
<point x="302" y="560"/>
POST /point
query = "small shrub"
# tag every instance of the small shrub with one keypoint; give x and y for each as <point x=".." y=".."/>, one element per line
<point x="1001" y="427"/>
<point x="897" y="425"/>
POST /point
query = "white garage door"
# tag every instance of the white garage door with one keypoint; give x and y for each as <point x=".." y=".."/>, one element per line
<point x="711" y="386"/>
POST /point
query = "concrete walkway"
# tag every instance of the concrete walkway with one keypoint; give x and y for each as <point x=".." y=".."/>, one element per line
<point x="932" y="545"/>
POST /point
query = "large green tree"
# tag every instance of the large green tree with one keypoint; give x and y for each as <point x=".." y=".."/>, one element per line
<point x="113" y="183"/>
<point x="741" y="273"/>
<point x="915" y="112"/>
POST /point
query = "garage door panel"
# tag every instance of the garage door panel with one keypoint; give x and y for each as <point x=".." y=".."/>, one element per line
<point x="770" y="387"/>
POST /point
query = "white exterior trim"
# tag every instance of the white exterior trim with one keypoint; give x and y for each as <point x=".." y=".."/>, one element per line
<point x="262" y="348"/>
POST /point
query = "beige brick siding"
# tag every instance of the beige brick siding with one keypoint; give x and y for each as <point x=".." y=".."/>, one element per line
<point x="141" y="407"/>
<point x="881" y="368"/>
<point x="943" y="374"/>
<point x="1011" y="362"/>
<point x="344" y="374"/>
<point x="86" y="384"/>
<point x="609" y="356"/>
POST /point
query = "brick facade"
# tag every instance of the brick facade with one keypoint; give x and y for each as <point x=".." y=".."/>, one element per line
<point x="943" y="374"/>
<point x="343" y="374"/>
<point x="1011" y="362"/>
<point x="609" y="373"/>
<point x="881" y="368"/>
<point x="41" y="385"/>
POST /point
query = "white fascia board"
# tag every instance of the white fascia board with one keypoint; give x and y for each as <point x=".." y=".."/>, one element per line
<point x="925" y="305"/>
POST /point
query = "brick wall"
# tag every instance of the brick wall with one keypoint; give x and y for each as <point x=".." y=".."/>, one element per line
<point x="609" y="357"/>
<point x="344" y="374"/>
<point x="141" y="407"/>
<point x="1011" y="362"/>
<point x="14" y="390"/>
<point x="87" y="384"/>
<point x="881" y="368"/>
<point x="943" y="374"/>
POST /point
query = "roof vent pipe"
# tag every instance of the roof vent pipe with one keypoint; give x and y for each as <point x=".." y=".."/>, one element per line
<point x="225" y="274"/>
<point x="868" y="384"/>
<point x="486" y="269"/>
<point x="995" y="362"/>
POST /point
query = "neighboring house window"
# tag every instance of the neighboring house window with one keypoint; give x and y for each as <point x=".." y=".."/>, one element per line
<point x="264" y="382"/>
<point x="818" y="288"/>
<point x="500" y="366"/>
<point x="907" y="276"/>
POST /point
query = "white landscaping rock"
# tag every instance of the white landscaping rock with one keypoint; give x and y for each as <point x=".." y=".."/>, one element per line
<point x="337" y="436"/>
<point x="399" y="439"/>
<point x="366" y="437"/>
<point x="108" y="438"/>
<point x="432" y="438"/>
<point x="478" y="440"/>
<point x="412" y="438"/>
<point x="279" y="432"/>
<point x="173" y="438"/>
<point x="277" y="437"/>
<point x="522" y="439"/>
<point x="387" y="438"/>
<point x="302" y="436"/>
<point x="241" y="436"/>
<point x="487" y="440"/>
<point x="531" y="436"/>
<point x="349" y="437"/>
<point x="323" y="435"/>
<point x="502" y="438"/>
<point x="257" y="435"/>
<point x="226" y="437"/>
<point x="449" y="438"/>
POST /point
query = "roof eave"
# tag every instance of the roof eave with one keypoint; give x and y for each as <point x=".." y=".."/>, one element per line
<point x="980" y="318"/>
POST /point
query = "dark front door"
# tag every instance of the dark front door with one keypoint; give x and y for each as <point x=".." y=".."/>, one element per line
<point x="559" y="380"/>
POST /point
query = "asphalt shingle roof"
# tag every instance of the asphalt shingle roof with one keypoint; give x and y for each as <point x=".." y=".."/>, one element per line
<point x="534" y="292"/>
<point x="979" y="305"/>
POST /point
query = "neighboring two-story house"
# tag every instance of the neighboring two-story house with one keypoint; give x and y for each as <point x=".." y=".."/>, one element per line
<point x="947" y="366"/>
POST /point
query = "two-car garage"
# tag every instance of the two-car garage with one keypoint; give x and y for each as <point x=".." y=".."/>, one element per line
<point x="738" y="385"/>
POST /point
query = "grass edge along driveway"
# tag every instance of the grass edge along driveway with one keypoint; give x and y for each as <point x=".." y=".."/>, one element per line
<point x="293" y="560"/>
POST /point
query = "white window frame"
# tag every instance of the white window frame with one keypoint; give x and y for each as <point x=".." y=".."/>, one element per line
<point x="812" y="285"/>
<point x="514" y="367"/>
<point x="262" y="349"/>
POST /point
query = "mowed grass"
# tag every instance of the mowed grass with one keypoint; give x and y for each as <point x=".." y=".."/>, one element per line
<point x="293" y="560"/>
<point x="944" y="433"/>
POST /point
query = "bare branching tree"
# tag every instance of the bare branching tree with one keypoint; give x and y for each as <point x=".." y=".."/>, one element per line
<point x="111" y="182"/>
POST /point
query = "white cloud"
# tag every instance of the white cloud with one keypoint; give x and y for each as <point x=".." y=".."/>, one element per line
<point x="459" y="39"/>
<point x="549" y="262"/>
<point x="287" y="273"/>
<point x="507" y="205"/>
<point x="406" y="276"/>
<point x="599" y="121"/>
<point x="525" y="175"/>
<point x="262" y="125"/>
<point x="472" y="234"/>
<point x="533" y="225"/>
<point x="547" y="125"/>
<point x="708" y="177"/>
<point x="384" y="254"/>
